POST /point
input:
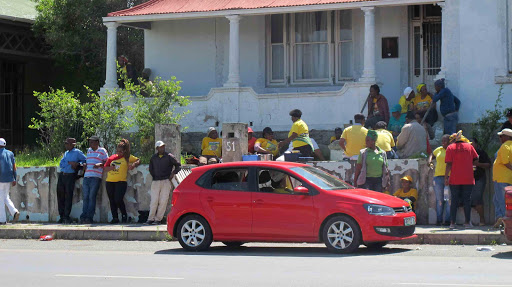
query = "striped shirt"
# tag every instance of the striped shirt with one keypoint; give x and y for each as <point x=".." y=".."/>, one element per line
<point x="93" y="157"/>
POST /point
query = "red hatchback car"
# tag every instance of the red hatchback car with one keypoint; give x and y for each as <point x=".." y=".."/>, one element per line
<point x="267" y="201"/>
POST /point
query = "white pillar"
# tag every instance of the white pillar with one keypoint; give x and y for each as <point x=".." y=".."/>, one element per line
<point x="111" y="74"/>
<point x="369" y="45"/>
<point x="444" y="42"/>
<point x="234" y="52"/>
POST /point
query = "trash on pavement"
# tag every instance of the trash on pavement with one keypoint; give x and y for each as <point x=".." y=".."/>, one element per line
<point x="484" y="248"/>
<point x="46" y="238"/>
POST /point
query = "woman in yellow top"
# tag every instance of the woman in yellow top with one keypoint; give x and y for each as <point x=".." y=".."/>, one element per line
<point x="299" y="135"/>
<point x="267" y="144"/>
<point x="117" y="167"/>
<point x="407" y="193"/>
<point x="441" y="205"/>
<point x="211" y="147"/>
<point x="422" y="102"/>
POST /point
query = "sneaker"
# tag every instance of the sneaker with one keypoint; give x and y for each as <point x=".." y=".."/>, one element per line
<point x="155" y="223"/>
<point x="3" y="223"/>
<point x="61" y="220"/>
<point x="498" y="223"/>
<point x="149" y="222"/>
<point x="452" y="226"/>
<point x="114" y="221"/>
<point x="468" y="225"/>
<point x="124" y="218"/>
<point x="16" y="217"/>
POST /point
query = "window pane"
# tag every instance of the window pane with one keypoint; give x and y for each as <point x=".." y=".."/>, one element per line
<point x="432" y="11"/>
<point x="311" y="27"/>
<point x="417" y="51"/>
<point x="277" y="62"/>
<point x="233" y="179"/>
<point x="274" y="181"/>
<point x="311" y="61"/>
<point x="276" y="23"/>
<point x="345" y="25"/>
<point x="345" y="64"/>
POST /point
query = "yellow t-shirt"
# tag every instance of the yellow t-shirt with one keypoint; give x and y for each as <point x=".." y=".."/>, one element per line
<point x="121" y="171"/>
<point x="211" y="146"/>
<point x="385" y="140"/>
<point x="412" y="193"/>
<point x="375" y="107"/>
<point x="500" y="173"/>
<point x="405" y="104"/>
<point x="356" y="139"/>
<point x="440" y="154"/>
<point x="422" y="104"/>
<point x="300" y="128"/>
<point x="271" y="146"/>
<point x="333" y="138"/>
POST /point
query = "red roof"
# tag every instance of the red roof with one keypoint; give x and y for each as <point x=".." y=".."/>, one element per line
<point x="187" y="6"/>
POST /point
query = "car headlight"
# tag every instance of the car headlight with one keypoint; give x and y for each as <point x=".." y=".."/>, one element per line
<point x="375" y="209"/>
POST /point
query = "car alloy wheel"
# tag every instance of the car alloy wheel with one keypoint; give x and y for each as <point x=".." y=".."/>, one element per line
<point x="194" y="233"/>
<point x="341" y="234"/>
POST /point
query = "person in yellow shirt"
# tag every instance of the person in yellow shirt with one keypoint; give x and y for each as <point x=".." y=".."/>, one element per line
<point x="353" y="139"/>
<point x="117" y="167"/>
<point x="385" y="140"/>
<point x="299" y="135"/>
<point x="410" y="195"/>
<point x="211" y="148"/>
<point x="267" y="144"/>
<point x="502" y="174"/>
<point x="440" y="168"/>
<point x="422" y="102"/>
<point x="337" y="135"/>
<point x="406" y="101"/>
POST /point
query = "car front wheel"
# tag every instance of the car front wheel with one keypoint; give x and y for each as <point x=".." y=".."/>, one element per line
<point x="194" y="233"/>
<point x="341" y="234"/>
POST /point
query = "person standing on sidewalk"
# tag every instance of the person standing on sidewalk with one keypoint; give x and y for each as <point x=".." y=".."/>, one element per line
<point x="460" y="158"/>
<point x="117" y="167"/>
<point x="162" y="167"/>
<point x="439" y="172"/>
<point x="96" y="158"/>
<point x="484" y="162"/>
<point x="7" y="179"/>
<point x="67" y="176"/>
<point x="502" y="174"/>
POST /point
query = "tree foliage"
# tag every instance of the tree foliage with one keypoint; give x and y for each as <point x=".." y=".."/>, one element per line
<point x="77" y="38"/>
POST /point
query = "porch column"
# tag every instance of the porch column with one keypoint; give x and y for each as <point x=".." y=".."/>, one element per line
<point x="234" y="52"/>
<point x="111" y="75"/>
<point x="444" y="42"/>
<point x="369" y="45"/>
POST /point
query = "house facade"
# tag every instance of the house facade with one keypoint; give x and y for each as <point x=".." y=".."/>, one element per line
<point x="254" y="61"/>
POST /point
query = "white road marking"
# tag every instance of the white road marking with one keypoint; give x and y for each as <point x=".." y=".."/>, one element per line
<point x="118" y="277"/>
<point x="452" y="284"/>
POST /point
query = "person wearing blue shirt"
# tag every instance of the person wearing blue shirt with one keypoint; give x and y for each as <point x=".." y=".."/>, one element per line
<point x="67" y="176"/>
<point x="7" y="179"/>
<point x="449" y="107"/>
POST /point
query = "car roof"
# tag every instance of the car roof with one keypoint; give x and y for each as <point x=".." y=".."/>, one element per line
<point x="237" y="164"/>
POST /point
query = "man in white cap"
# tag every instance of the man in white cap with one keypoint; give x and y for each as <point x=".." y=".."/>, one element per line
<point x="7" y="179"/>
<point x="406" y="100"/>
<point x="162" y="167"/>
<point x="502" y="174"/>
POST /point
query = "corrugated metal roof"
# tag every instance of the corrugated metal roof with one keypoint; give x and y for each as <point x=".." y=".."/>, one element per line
<point x="187" y="6"/>
<point x="18" y="9"/>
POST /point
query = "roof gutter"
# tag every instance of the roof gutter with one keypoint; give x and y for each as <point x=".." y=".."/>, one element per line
<point x="17" y="19"/>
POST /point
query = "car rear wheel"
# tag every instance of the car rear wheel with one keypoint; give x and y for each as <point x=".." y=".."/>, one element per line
<point x="341" y="234"/>
<point x="194" y="233"/>
<point x="233" y="244"/>
<point x="376" y="245"/>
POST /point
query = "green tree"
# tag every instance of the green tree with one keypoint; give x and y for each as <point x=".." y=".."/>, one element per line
<point x="77" y="38"/>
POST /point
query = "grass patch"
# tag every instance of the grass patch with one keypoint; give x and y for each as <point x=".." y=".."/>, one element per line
<point x="28" y="158"/>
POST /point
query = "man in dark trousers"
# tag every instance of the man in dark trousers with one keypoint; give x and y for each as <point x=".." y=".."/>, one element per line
<point x="162" y="167"/>
<point x="66" y="183"/>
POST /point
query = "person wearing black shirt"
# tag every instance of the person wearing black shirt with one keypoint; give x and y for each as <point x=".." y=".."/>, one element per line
<point x="484" y="162"/>
<point x="508" y="123"/>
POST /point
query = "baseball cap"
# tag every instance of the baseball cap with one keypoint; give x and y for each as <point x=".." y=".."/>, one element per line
<point x="407" y="177"/>
<point x="210" y="129"/>
<point x="407" y="91"/>
<point x="159" y="144"/>
<point x="506" y="132"/>
<point x="3" y="142"/>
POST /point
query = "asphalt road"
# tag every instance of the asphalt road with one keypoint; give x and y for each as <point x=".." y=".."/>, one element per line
<point x="121" y="263"/>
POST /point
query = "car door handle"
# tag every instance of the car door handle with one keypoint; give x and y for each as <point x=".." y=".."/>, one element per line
<point x="258" y="201"/>
<point x="209" y="199"/>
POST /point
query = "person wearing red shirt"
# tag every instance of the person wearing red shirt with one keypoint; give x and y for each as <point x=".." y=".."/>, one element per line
<point x="460" y="158"/>
<point x="252" y="140"/>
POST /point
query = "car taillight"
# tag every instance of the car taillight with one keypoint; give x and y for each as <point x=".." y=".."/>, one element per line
<point x="174" y="197"/>
<point x="508" y="203"/>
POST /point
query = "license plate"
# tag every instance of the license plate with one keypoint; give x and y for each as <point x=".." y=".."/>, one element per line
<point x="408" y="221"/>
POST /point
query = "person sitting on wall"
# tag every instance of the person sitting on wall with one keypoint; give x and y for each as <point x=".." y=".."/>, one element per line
<point x="422" y="102"/>
<point x="412" y="141"/>
<point x="385" y="139"/>
<point x="251" y="140"/>
<point x="508" y="123"/>
<point x="298" y="135"/>
<point x="397" y="121"/>
<point x="127" y="69"/>
<point x="267" y="144"/>
<point x="337" y="134"/>
<point x="378" y="109"/>
<point x="406" y="101"/>
<point x="211" y="148"/>
<point x="410" y="195"/>
<point x="353" y="138"/>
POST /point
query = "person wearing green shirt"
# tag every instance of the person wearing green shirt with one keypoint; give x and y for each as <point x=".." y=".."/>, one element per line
<point x="372" y="167"/>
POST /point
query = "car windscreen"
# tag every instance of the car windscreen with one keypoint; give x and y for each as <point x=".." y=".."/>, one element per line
<point x="320" y="178"/>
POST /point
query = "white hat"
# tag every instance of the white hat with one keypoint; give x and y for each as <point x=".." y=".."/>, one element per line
<point x="159" y="144"/>
<point x="507" y="132"/>
<point x="3" y="142"/>
<point x="407" y="91"/>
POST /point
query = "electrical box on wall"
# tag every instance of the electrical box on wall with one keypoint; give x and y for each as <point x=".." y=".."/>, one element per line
<point x="389" y="47"/>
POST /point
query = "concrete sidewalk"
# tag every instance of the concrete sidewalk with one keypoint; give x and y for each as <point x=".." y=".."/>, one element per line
<point x="426" y="234"/>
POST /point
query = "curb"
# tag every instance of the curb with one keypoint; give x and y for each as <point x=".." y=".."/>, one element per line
<point x="89" y="234"/>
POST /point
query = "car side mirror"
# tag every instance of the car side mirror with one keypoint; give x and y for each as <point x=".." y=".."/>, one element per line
<point x="300" y="190"/>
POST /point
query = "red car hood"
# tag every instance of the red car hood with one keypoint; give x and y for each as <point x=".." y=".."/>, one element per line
<point x="368" y="196"/>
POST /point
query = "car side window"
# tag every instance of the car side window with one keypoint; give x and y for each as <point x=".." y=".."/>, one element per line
<point x="230" y="179"/>
<point x="274" y="181"/>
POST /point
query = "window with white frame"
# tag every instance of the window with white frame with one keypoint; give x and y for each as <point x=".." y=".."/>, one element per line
<point x="309" y="48"/>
